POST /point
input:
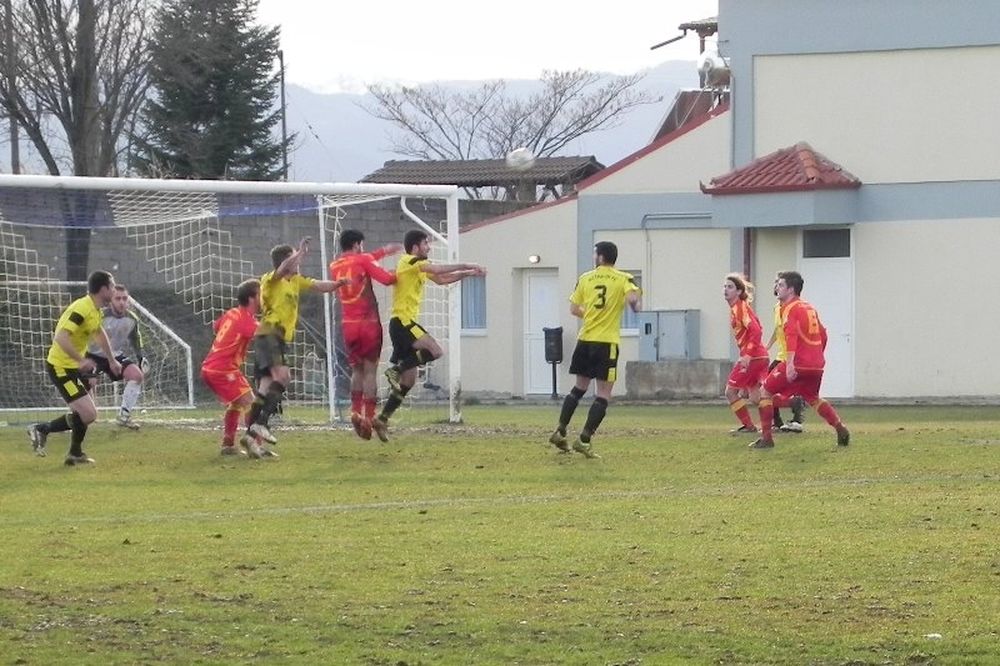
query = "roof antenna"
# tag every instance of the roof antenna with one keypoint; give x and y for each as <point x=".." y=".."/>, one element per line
<point x="669" y="41"/>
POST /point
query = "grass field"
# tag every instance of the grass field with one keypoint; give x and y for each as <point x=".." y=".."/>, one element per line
<point x="479" y="544"/>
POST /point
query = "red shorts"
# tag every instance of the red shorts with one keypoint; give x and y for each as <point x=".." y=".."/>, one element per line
<point x="363" y="340"/>
<point x="228" y="385"/>
<point x="750" y="376"/>
<point x="806" y="384"/>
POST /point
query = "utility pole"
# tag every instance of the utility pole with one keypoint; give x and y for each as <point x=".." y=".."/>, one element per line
<point x="10" y="60"/>
<point x="284" y="126"/>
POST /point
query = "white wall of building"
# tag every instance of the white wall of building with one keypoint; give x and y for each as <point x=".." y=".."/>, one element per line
<point x="493" y="360"/>
<point x="886" y="116"/>
<point x="926" y="315"/>
<point x="678" y="166"/>
<point x="682" y="269"/>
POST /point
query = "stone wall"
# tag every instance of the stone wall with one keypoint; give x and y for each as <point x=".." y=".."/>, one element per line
<point x="676" y="379"/>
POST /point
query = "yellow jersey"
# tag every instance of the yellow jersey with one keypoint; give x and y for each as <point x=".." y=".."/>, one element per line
<point x="82" y="319"/>
<point x="779" y="333"/>
<point x="279" y="303"/>
<point x="601" y="293"/>
<point x="408" y="292"/>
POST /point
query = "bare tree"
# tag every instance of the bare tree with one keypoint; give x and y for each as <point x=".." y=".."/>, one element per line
<point x="438" y="124"/>
<point x="76" y="77"/>
<point x="79" y="75"/>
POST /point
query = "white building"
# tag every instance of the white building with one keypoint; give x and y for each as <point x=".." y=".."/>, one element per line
<point x="899" y="95"/>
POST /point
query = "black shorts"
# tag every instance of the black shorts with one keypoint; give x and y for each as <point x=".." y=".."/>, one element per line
<point x="597" y="360"/>
<point x="403" y="336"/>
<point x="104" y="367"/>
<point x="70" y="382"/>
<point x="268" y="352"/>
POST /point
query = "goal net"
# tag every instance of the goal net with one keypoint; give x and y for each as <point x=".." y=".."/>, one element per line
<point x="29" y="310"/>
<point x="182" y="247"/>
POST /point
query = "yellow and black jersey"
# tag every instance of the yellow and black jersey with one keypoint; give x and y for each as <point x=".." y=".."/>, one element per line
<point x="602" y="295"/>
<point x="279" y="303"/>
<point x="82" y="319"/>
<point x="408" y="292"/>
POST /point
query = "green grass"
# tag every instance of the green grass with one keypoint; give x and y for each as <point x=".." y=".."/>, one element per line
<point x="480" y="544"/>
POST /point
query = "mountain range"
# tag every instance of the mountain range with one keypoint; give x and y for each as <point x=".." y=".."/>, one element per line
<point x="338" y="141"/>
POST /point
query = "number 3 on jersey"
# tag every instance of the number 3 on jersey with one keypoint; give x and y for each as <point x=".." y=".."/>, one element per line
<point x="602" y="295"/>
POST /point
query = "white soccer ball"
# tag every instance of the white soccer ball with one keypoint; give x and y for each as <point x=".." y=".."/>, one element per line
<point x="520" y="159"/>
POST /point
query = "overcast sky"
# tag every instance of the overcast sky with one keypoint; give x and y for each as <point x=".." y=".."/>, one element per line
<point x="340" y="46"/>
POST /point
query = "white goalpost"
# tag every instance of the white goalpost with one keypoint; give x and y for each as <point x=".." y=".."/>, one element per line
<point x="182" y="247"/>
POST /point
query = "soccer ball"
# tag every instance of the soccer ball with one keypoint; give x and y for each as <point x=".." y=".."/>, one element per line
<point x="520" y="159"/>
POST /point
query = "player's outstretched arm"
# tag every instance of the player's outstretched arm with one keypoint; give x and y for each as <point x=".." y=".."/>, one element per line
<point x="326" y="286"/>
<point x="386" y="250"/>
<point x="379" y="274"/>
<point x="292" y="263"/>
<point x="448" y="277"/>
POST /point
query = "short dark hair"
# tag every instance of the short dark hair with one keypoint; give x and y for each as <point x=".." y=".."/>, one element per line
<point x="608" y="250"/>
<point x="279" y="253"/>
<point x="793" y="280"/>
<point x="120" y="287"/>
<point x="247" y="290"/>
<point x="413" y="237"/>
<point x="350" y="238"/>
<point x="99" y="280"/>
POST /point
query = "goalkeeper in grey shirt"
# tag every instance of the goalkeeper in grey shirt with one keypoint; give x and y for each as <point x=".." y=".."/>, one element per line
<point x="122" y="328"/>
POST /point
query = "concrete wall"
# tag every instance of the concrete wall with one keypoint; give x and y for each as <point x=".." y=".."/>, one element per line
<point x="690" y="156"/>
<point x="682" y="269"/>
<point x="925" y="320"/>
<point x="922" y="108"/>
<point x="493" y="361"/>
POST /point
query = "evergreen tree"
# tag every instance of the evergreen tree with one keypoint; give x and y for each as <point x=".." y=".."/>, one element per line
<point x="212" y="110"/>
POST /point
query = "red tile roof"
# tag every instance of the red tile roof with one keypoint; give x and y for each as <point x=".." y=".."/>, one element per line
<point x="793" y="169"/>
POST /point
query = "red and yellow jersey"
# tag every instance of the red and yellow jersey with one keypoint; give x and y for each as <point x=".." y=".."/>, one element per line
<point x="233" y="332"/>
<point x="747" y="330"/>
<point x="805" y="335"/>
<point x="357" y="299"/>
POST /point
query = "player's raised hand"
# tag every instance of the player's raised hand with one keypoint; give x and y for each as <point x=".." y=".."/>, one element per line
<point x="304" y="245"/>
<point x="393" y="248"/>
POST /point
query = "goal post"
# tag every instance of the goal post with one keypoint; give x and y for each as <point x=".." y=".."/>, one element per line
<point x="182" y="247"/>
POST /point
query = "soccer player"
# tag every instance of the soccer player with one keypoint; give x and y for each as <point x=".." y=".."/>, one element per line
<point x="412" y="345"/>
<point x="279" y="302"/>
<point x="751" y="368"/>
<point x="801" y="373"/>
<point x="599" y="299"/>
<point x="362" y="327"/>
<point x="122" y="328"/>
<point x="222" y="368"/>
<point x="778" y="338"/>
<point x="68" y="366"/>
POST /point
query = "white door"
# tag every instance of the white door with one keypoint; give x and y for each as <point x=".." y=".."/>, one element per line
<point x="543" y="308"/>
<point x="829" y="286"/>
